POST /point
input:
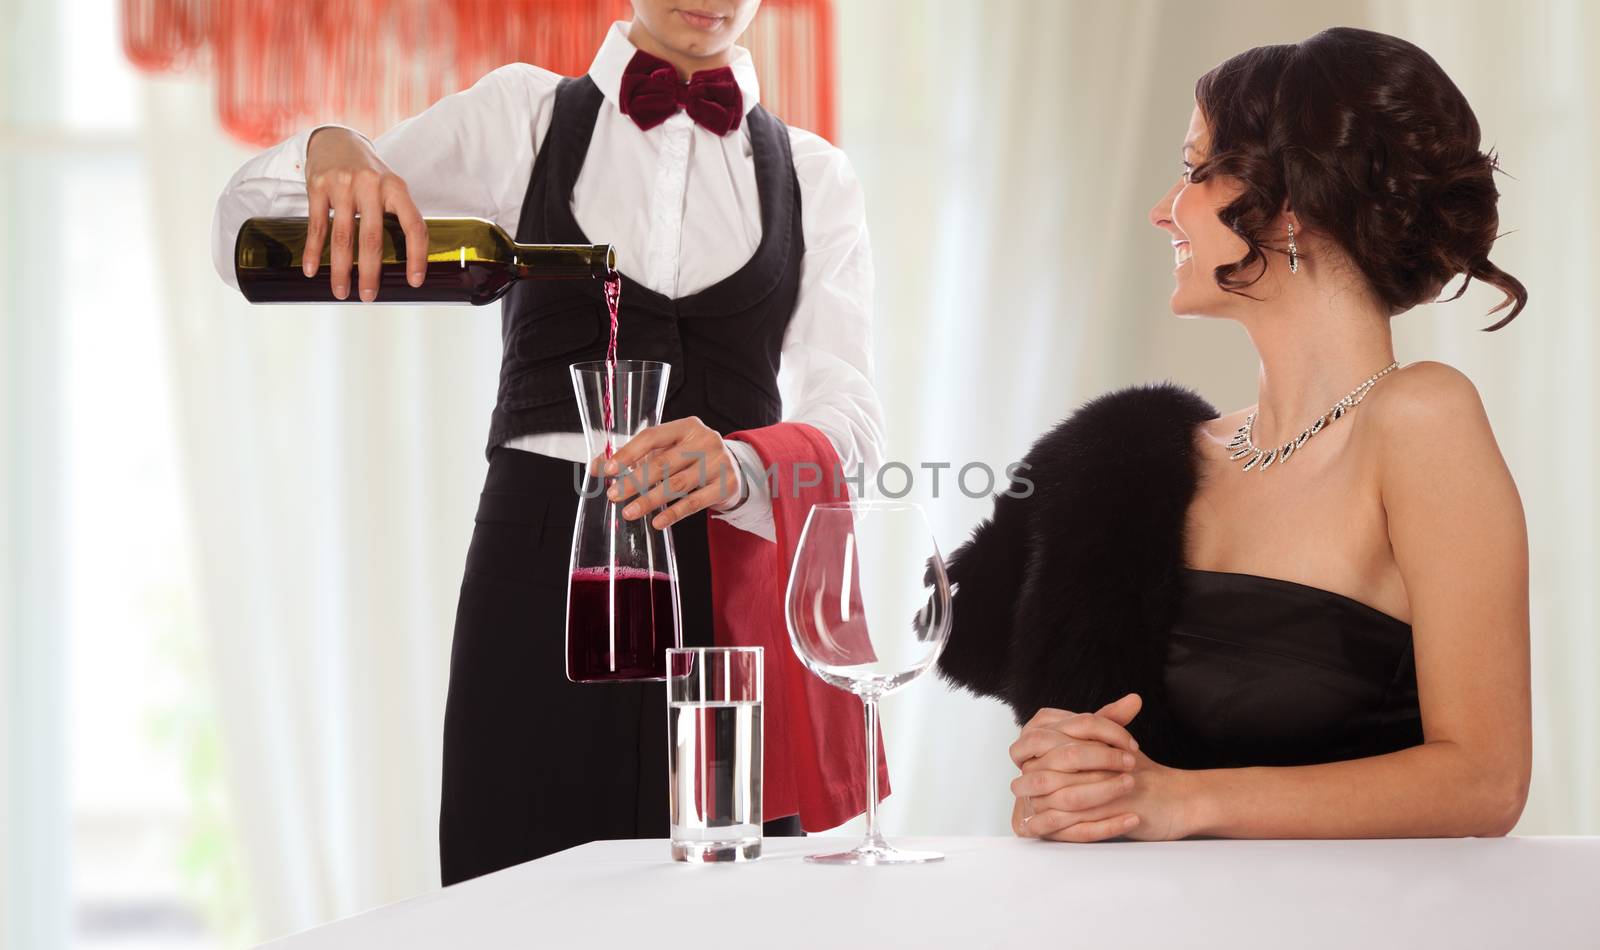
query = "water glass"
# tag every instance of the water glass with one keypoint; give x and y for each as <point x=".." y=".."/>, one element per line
<point x="714" y="753"/>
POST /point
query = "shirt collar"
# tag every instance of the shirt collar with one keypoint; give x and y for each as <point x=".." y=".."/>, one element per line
<point x="616" y="52"/>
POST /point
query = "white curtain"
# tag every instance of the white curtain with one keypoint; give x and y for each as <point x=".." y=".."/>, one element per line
<point x="334" y="456"/>
<point x="1528" y="71"/>
<point x="1009" y="151"/>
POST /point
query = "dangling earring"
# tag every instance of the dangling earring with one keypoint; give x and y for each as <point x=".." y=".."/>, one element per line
<point x="1294" y="253"/>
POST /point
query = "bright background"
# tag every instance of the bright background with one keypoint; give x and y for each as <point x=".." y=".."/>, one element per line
<point x="233" y="537"/>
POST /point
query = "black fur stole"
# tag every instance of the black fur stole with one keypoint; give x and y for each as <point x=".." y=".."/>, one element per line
<point x="1066" y="596"/>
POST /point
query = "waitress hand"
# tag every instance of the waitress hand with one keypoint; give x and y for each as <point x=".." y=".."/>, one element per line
<point x="682" y="466"/>
<point x="345" y="174"/>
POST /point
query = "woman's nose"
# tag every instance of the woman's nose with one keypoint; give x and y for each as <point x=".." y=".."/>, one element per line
<point x="1161" y="214"/>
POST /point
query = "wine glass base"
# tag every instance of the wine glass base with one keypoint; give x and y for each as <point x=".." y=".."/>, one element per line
<point x="876" y="855"/>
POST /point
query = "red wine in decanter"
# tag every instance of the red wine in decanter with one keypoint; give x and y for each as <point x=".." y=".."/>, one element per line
<point x="636" y="646"/>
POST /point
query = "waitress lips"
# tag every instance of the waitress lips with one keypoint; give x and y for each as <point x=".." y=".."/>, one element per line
<point x="702" y="19"/>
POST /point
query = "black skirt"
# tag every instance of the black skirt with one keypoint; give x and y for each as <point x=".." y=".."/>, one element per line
<point x="534" y="763"/>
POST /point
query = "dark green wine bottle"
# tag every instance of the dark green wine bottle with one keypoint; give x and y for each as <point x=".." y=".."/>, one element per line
<point x="470" y="261"/>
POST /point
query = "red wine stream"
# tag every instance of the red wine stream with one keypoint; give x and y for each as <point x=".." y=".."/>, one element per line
<point x="613" y="287"/>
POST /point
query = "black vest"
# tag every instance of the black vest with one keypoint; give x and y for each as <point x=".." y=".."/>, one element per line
<point x="723" y="342"/>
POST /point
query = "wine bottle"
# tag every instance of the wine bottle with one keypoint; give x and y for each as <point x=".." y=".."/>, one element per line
<point x="470" y="261"/>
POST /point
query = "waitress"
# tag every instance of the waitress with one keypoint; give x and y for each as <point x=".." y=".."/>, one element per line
<point x="743" y="247"/>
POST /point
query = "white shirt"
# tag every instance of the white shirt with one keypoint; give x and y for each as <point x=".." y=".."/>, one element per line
<point x="677" y="201"/>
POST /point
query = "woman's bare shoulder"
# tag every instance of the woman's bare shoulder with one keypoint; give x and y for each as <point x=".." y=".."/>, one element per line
<point x="1429" y="413"/>
<point x="1422" y="394"/>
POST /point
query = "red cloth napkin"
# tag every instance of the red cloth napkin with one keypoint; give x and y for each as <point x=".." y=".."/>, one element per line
<point x="814" y="742"/>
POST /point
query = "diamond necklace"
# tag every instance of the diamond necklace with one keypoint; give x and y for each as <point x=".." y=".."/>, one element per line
<point x="1243" y="445"/>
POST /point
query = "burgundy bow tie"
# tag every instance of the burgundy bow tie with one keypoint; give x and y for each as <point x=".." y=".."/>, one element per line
<point x="652" y="93"/>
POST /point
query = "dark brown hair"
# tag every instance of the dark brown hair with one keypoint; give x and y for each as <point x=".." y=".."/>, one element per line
<point x="1371" y="145"/>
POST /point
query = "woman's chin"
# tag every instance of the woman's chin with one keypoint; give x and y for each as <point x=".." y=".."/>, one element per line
<point x="1185" y="308"/>
<point x="1180" y="304"/>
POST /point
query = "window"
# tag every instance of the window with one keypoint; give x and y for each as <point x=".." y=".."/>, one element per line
<point x="114" y="742"/>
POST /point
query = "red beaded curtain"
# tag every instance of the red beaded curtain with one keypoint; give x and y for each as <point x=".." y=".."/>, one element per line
<point x="280" y="64"/>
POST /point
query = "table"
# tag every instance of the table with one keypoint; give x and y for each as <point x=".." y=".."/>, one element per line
<point x="1010" y="892"/>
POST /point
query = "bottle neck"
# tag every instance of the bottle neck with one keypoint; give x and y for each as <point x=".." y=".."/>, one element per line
<point x="544" y="261"/>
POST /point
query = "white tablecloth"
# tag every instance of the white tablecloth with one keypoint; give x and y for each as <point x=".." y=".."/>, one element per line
<point x="1007" y="892"/>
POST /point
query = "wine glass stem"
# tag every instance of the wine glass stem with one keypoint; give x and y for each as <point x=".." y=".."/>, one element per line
<point x="869" y="705"/>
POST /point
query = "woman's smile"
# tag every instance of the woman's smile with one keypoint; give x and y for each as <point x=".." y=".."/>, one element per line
<point x="1181" y="253"/>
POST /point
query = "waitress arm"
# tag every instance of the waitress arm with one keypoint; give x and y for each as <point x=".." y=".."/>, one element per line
<point x="826" y="371"/>
<point x="469" y="154"/>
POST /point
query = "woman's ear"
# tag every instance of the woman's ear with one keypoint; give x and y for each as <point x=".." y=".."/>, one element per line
<point x="1288" y="218"/>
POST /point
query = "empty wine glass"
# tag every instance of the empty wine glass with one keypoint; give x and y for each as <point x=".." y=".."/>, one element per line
<point x="868" y="609"/>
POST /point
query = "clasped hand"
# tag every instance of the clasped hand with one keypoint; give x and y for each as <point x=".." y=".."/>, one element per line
<point x="1083" y="778"/>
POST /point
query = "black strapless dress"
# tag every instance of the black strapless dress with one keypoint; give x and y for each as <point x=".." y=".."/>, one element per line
<point x="1075" y="593"/>
<point x="1261" y="671"/>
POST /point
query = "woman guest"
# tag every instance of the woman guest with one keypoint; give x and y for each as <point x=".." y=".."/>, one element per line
<point x="1306" y="618"/>
<point x="743" y="247"/>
